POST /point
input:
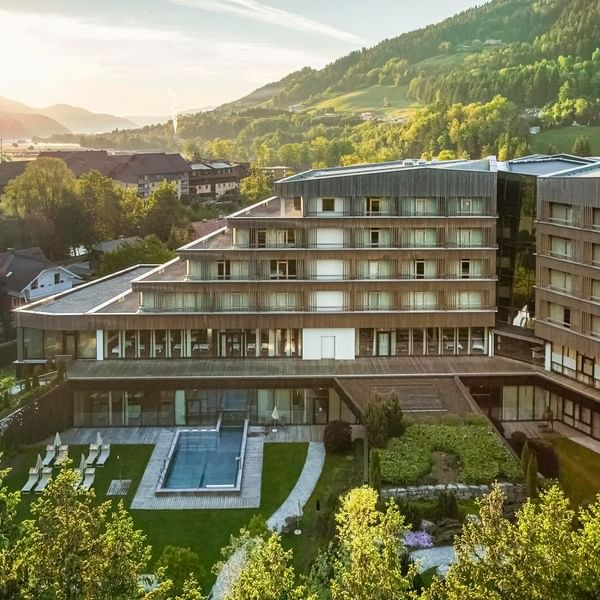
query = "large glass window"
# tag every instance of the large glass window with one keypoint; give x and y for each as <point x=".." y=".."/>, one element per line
<point x="402" y="342"/>
<point x="33" y="343"/>
<point x="112" y="346"/>
<point x="86" y="344"/>
<point x="176" y="343"/>
<point x="131" y="343"/>
<point x="417" y="342"/>
<point x="52" y="343"/>
<point x="433" y="341"/>
<point x="201" y="341"/>
<point x="145" y="336"/>
<point x="160" y="343"/>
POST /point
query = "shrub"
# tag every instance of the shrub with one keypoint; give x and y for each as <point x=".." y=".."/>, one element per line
<point x="497" y="424"/>
<point x="326" y="515"/>
<point x="383" y="420"/>
<point x="375" y="470"/>
<point x="257" y="526"/>
<point x="525" y="456"/>
<point x="447" y="506"/>
<point x="481" y="455"/>
<point x="546" y="457"/>
<point x="411" y="512"/>
<point x="179" y="564"/>
<point x="337" y="437"/>
<point x="475" y="419"/>
<point x="517" y="441"/>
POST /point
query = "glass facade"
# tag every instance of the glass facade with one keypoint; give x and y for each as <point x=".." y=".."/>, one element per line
<point x="156" y="407"/>
<point x="517" y="197"/>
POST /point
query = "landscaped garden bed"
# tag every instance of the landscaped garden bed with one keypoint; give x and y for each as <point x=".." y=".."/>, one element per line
<point x="481" y="457"/>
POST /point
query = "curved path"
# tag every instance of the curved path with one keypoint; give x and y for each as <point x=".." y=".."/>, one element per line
<point x="298" y="497"/>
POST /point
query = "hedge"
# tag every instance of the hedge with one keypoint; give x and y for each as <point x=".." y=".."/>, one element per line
<point x="481" y="455"/>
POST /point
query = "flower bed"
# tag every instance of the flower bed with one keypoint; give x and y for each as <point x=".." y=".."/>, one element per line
<point x="481" y="455"/>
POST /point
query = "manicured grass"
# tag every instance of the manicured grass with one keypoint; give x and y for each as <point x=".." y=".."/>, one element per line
<point x="563" y="139"/>
<point x="579" y="469"/>
<point x="370" y="99"/>
<point x="204" y="531"/>
<point x="340" y="474"/>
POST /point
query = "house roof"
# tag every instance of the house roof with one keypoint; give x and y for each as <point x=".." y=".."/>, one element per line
<point x="199" y="229"/>
<point x="110" y="245"/>
<point x="10" y="170"/>
<point x="148" y="163"/>
<point x="539" y="165"/>
<point x="21" y="267"/>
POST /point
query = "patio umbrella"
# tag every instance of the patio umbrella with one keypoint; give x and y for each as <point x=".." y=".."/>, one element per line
<point x="38" y="463"/>
<point x="98" y="439"/>
<point x="57" y="442"/>
<point x="275" y="414"/>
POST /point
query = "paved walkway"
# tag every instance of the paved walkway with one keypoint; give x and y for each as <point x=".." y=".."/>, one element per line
<point x="113" y="435"/>
<point x="248" y="497"/>
<point x="299" y="496"/>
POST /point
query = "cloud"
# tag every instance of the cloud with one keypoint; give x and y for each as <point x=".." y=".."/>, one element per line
<point x="257" y="11"/>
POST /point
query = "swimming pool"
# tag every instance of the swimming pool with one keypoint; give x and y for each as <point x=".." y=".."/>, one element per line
<point x="205" y="460"/>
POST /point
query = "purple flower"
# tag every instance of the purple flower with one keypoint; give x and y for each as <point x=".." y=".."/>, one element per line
<point x="417" y="539"/>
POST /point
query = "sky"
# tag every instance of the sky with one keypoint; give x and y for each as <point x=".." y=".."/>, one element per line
<point x="146" y="57"/>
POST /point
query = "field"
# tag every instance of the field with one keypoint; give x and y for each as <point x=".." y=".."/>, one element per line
<point x="371" y="99"/>
<point x="204" y="531"/>
<point x="563" y="139"/>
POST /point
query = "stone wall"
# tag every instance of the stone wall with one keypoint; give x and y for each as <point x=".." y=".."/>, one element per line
<point x="514" y="492"/>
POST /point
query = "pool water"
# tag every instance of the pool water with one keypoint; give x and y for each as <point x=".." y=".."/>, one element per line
<point x="204" y="459"/>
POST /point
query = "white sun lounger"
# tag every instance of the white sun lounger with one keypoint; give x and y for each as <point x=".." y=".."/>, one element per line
<point x="88" y="479"/>
<point x="44" y="480"/>
<point x="50" y="455"/>
<point x="63" y="454"/>
<point x="93" y="455"/>
<point x="34" y="475"/>
<point x="103" y="455"/>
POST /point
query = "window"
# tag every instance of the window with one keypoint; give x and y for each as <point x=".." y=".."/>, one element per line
<point x="34" y="284"/>
<point x="56" y="278"/>
<point x="328" y="205"/>
<point x="286" y="237"/>
<point x="561" y="213"/>
<point x="560" y="281"/>
<point x="261" y="238"/>
<point x="420" y="237"/>
<point x="374" y="238"/>
<point x="466" y="206"/>
<point x="224" y="269"/>
<point x="596" y="254"/>
<point x="559" y="314"/>
<point x="236" y="301"/>
<point x="373" y="300"/>
<point x="373" y="206"/>
<point x="560" y="247"/>
<point x="419" y="269"/>
<point x="595" y="290"/>
<point x="283" y="269"/>
<point x="465" y="269"/>
<point x="421" y="206"/>
<point x="470" y="237"/>
<point x="297" y="202"/>
<point x="595" y="326"/>
<point x="567" y="317"/>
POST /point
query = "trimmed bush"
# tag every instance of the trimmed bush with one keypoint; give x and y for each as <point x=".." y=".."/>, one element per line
<point x="337" y="437"/>
<point x="179" y="563"/>
<point x="546" y="457"/>
<point x="447" y="506"/>
<point x="481" y="455"/>
<point x="525" y="456"/>
<point x="531" y="481"/>
<point x="375" y="470"/>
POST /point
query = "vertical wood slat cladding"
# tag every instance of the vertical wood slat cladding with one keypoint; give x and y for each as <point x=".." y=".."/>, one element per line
<point x="408" y="182"/>
<point x="569" y="190"/>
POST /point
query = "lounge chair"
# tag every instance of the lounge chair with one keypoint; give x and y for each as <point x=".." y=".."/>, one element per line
<point x="63" y="454"/>
<point x="34" y="475"/>
<point x="103" y="455"/>
<point x="44" y="480"/>
<point x="50" y="455"/>
<point x="88" y="479"/>
<point x="93" y="455"/>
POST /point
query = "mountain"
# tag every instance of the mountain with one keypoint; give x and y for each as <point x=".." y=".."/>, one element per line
<point x="69" y="118"/>
<point x="15" y="125"/>
<point x="471" y="85"/>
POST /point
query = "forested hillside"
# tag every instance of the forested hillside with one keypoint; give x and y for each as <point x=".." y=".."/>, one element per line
<point x="470" y="85"/>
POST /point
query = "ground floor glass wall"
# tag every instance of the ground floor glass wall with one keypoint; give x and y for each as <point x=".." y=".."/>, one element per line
<point x="152" y="408"/>
<point x="570" y="363"/>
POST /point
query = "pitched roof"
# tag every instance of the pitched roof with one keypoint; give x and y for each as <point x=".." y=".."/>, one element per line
<point x="199" y="229"/>
<point x="148" y="163"/>
<point x="110" y="245"/>
<point x="21" y="267"/>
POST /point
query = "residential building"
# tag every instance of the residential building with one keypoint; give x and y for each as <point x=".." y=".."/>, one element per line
<point x="210" y="179"/>
<point x="98" y="252"/>
<point x="28" y="276"/>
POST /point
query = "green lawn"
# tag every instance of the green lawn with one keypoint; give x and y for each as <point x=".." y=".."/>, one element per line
<point x="204" y="531"/>
<point x="340" y="474"/>
<point x="563" y="139"/>
<point x="579" y="469"/>
<point x="370" y="99"/>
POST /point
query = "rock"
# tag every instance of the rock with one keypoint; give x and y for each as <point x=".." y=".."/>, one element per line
<point x="427" y="526"/>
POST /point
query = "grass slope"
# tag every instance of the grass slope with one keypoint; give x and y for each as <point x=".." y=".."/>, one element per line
<point x="204" y="531"/>
<point x="370" y="99"/>
<point x="564" y="138"/>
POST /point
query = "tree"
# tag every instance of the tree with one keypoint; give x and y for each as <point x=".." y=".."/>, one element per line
<point x="375" y="470"/>
<point x="383" y="420"/>
<point x="256" y="187"/>
<point x="367" y="564"/>
<point x="179" y="564"/>
<point x="538" y="556"/>
<point x="149" y="250"/>
<point x="582" y="146"/>
<point x="9" y="533"/>
<point x="164" y="211"/>
<point x="531" y="476"/>
<point x="525" y="456"/>
<point x="74" y="549"/>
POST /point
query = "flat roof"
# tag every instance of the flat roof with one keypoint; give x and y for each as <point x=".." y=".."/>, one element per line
<point x="540" y="165"/>
<point x="89" y="297"/>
